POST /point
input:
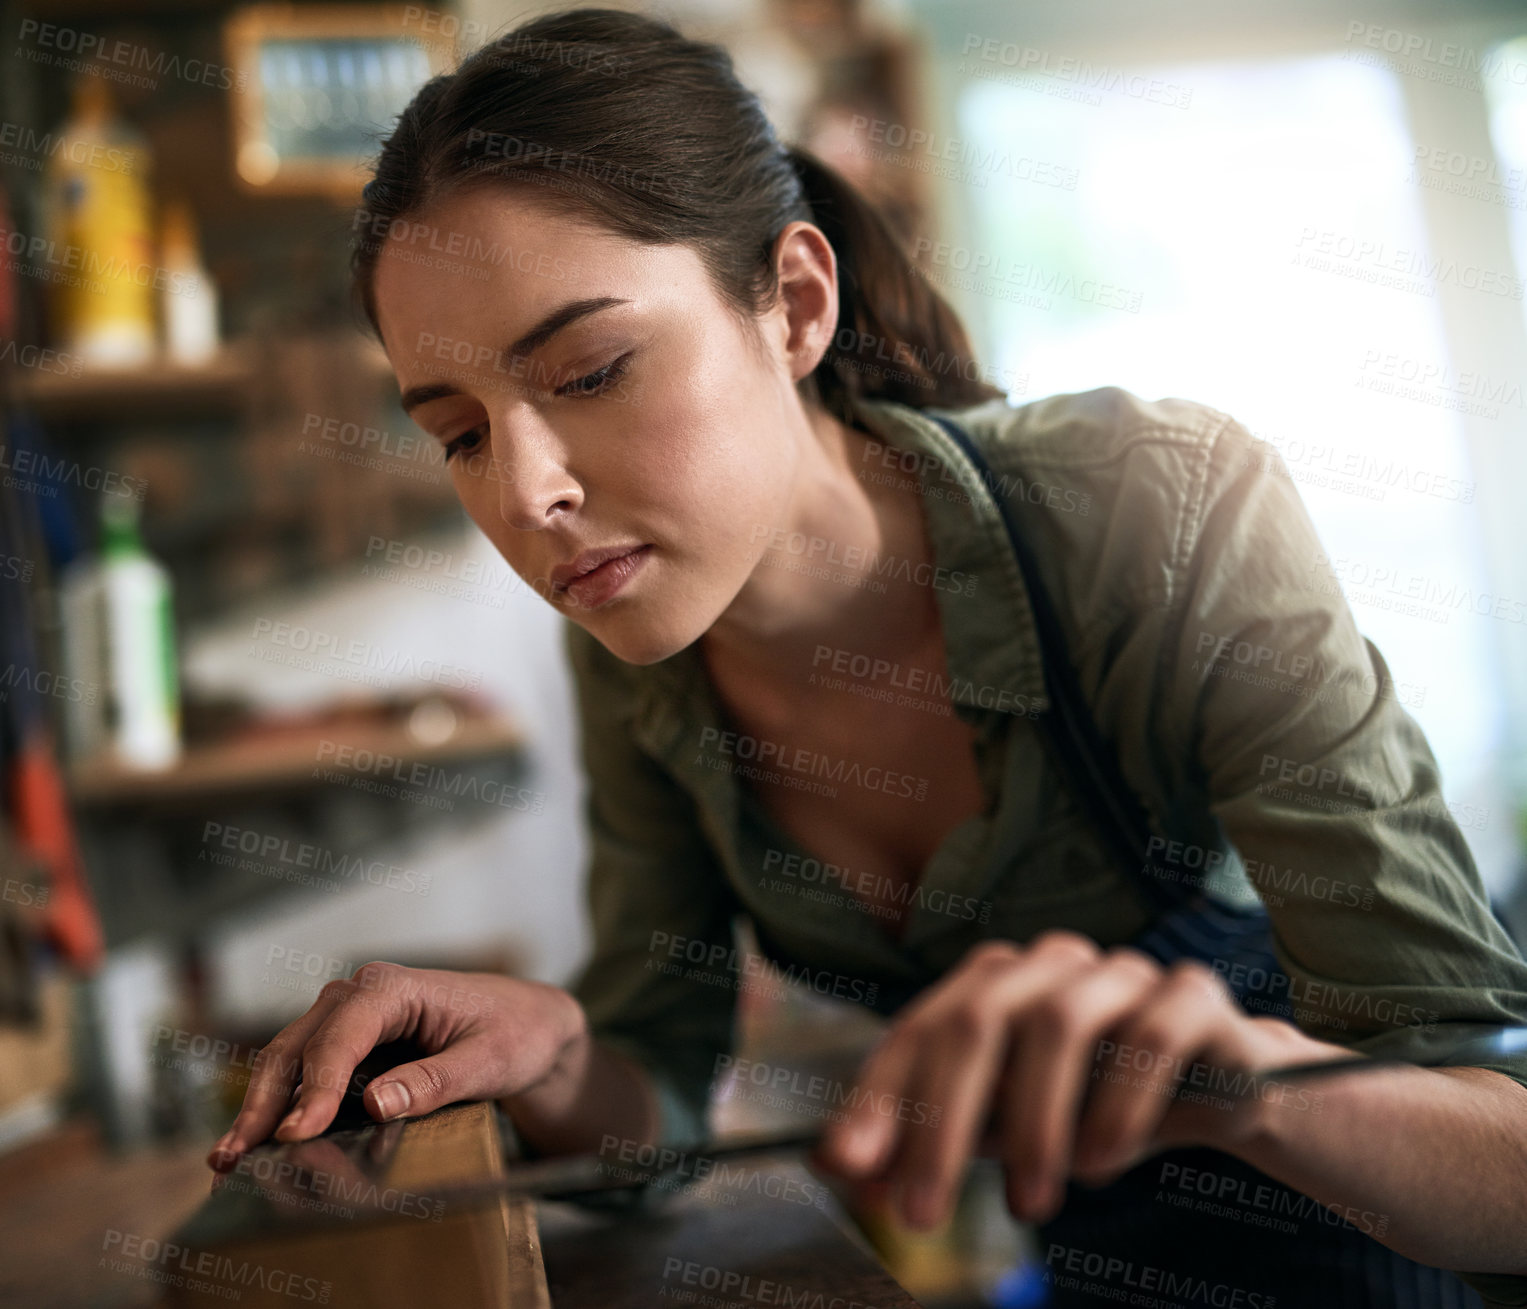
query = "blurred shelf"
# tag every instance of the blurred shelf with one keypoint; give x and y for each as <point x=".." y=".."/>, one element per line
<point x="219" y="386"/>
<point x="285" y="761"/>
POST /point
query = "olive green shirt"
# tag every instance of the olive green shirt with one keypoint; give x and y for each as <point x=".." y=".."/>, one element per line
<point x="1219" y="659"/>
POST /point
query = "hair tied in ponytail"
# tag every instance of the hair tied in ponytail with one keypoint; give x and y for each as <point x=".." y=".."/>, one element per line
<point x="675" y="149"/>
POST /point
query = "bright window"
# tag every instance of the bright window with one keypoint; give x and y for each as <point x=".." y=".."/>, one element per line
<point x="1264" y="251"/>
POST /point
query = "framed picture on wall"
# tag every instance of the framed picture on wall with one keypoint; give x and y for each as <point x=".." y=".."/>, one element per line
<point x="322" y="86"/>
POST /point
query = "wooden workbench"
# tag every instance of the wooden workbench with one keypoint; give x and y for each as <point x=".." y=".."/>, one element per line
<point x="722" y="1246"/>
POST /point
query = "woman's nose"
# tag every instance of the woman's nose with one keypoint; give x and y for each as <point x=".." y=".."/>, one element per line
<point x="533" y="482"/>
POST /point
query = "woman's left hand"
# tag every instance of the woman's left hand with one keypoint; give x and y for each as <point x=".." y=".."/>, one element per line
<point x="1065" y="1060"/>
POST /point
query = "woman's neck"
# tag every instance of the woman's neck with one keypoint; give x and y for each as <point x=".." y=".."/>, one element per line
<point x="836" y="572"/>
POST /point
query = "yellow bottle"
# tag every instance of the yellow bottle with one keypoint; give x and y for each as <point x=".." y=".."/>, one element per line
<point x="100" y="242"/>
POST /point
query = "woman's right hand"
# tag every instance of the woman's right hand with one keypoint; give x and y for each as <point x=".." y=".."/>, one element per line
<point x="486" y="1035"/>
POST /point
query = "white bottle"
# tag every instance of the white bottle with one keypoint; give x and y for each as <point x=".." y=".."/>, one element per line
<point x="189" y="298"/>
<point x="141" y="670"/>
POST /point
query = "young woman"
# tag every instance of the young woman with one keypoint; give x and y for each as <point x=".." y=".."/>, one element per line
<point x="690" y="387"/>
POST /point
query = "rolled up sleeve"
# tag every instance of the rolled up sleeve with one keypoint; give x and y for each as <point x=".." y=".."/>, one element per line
<point x="1325" y="784"/>
<point x="657" y="898"/>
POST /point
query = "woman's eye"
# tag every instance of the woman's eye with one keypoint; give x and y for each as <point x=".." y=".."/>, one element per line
<point x="594" y="383"/>
<point x="465" y="443"/>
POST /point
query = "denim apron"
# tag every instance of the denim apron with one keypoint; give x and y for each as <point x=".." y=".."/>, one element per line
<point x="1196" y="1225"/>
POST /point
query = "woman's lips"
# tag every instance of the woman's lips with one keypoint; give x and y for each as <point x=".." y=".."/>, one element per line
<point x="602" y="584"/>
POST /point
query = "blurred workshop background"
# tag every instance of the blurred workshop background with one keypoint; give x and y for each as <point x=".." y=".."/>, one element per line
<point x="270" y="707"/>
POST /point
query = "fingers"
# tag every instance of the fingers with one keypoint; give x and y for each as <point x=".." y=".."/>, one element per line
<point x="271" y="1081"/>
<point x="364" y="1014"/>
<point x="1011" y="1039"/>
<point x="325" y="1044"/>
<point x="859" y="1145"/>
<point x="1048" y="1072"/>
<point x="1188" y="1013"/>
<point x="972" y="1043"/>
<point x="467" y="1070"/>
<point x="923" y="1097"/>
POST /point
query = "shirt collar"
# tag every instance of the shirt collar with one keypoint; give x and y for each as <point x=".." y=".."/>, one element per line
<point x="991" y="645"/>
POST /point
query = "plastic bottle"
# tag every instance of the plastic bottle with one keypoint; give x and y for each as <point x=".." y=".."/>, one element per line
<point x="189" y="296"/>
<point x="100" y="258"/>
<point x="140" y="643"/>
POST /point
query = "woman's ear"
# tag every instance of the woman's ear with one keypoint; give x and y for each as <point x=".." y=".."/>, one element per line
<point x="808" y="295"/>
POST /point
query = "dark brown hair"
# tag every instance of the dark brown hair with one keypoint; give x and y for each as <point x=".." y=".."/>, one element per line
<point x="620" y="119"/>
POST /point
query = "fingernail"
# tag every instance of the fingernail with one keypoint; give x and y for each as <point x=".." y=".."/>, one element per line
<point x="921" y="1208"/>
<point x="1038" y="1199"/>
<point x="859" y="1144"/>
<point x="393" y="1099"/>
<point x="289" y="1123"/>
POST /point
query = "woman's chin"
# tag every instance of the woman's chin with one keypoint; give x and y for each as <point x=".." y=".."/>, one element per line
<point x="635" y="640"/>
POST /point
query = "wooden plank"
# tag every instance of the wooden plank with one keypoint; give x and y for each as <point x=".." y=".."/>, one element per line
<point x="318" y="1251"/>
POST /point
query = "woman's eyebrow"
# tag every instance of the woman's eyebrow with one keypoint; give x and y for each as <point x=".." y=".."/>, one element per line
<point x="533" y="340"/>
